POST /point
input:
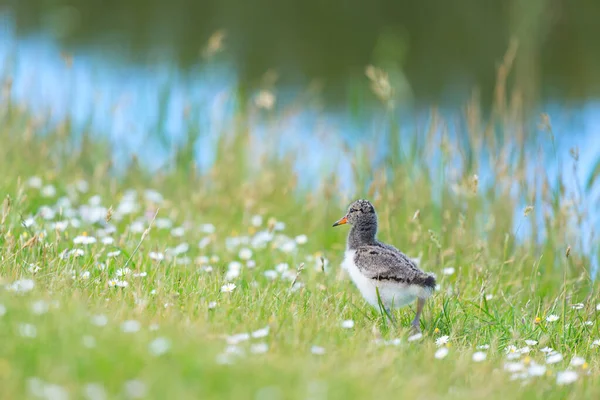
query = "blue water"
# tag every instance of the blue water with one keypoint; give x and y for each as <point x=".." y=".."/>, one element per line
<point x="123" y="102"/>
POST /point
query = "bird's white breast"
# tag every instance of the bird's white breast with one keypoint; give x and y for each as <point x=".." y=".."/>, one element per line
<point x="392" y="294"/>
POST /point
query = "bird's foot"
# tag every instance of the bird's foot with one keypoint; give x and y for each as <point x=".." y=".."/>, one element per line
<point x="415" y="327"/>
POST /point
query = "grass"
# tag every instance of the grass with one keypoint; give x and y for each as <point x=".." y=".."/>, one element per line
<point x="500" y="292"/>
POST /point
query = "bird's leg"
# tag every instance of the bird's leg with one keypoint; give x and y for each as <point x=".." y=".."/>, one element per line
<point x="416" y="324"/>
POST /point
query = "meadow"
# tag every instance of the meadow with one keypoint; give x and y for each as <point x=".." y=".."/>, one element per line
<point x="226" y="283"/>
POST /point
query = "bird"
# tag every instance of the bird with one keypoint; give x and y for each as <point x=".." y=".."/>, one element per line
<point x="380" y="270"/>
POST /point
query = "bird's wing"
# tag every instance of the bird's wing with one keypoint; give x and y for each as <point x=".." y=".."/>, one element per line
<point x="384" y="264"/>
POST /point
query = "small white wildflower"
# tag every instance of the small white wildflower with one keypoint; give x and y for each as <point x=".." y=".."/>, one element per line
<point x="301" y="239"/>
<point x="130" y="326"/>
<point x="259" y="348"/>
<point x="112" y="254"/>
<point x="479" y="356"/>
<point x="514" y="366"/>
<point x="489" y="297"/>
<point x="82" y="239"/>
<point x="85" y="275"/>
<point x="89" y="341"/>
<point x="207" y="228"/>
<point x="140" y="274"/>
<point x="94" y="391"/>
<point x="99" y="320"/>
<point x="483" y="347"/>
<point x="348" y="324"/>
<point x="21" y="286"/>
<point x="536" y="369"/>
<point x="117" y="283"/>
<point x="35" y="182"/>
<point x="122" y="271"/>
<point x="598" y="307"/>
<point x="245" y="254"/>
<point x="595" y="343"/>
<point x="448" y="271"/>
<point x="107" y="240"/>
<point x="46" y="213"/>
<point x="554" y="358"/>
<point x="256" y="220"/>
<point x="318" y="350"/>
<point x="163" y="223"/>
<point x="261" y="333"/>
<point x="238" y="338"/>
<point x="2" y="310"/>
<point x="442" y="352"/>
<point x="60" y="225"/>
<point x="566" y="377"/>
<point x="547" y="350"/>
<point x="288" y="246"/>
<point x="29" y="222"/>
<point x="588" y="323"/>
<point x="531" y="342"/>
<point x="48" y="191"/>
<point x="442" y="340"/>
<point x="82" y="186"/>
<point x="179" y="249"/>
<point x="159" y="346"/>
<point x="76" y="253"/>
<point x="228" y="288"/>
<point x="552" y="318"/>
<point x="178" y="232"/>
<point x="577" y="361"/>
<point x="415" y="337"/>
<point x="156" y="256"/>
<point x="39" y="307"/>
<point x="270" y="274"/>
<point x="204" y="242"/>
<point x="232" y="274"/>
<point x="27" y="330"/>
<point x="513" y="356"/>
<point x="212" y="304"/>
<point x="578" y="306"/>
<point x="251" y="264"/>
<point x="282" y="267"/>
<point x="524" y="350"/>
<point x="135" y="389"/>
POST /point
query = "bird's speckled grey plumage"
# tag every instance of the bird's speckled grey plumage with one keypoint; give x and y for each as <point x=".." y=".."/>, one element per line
<point x="380" y="271"/>
<point x="377" y="260"/>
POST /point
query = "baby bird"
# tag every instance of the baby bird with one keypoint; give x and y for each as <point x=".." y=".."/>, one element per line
<point x="372" y="264"/>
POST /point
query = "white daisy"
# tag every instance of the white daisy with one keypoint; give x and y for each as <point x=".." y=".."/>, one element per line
<point x="554" y="358"/>
<point x="479" y="356"/>
<point x="442" y="340"/>
<point x="228" y="288"/>
<point x="82" y="239"/>
<point x="245" y="253"/>
<point x="259" y="348"/>
<point x="318" y="350"/>
<point x="348" y="324"/>
<point x="130" y="326"/>
<point x="159" y="346"/>
<point x="448" y="271"/>
<point x="441" y="353"/>
<point x="566" y="377"/>
<point x="552" y="318"/>
<point x="415" y="337"/>
<point x="301" y="239"/>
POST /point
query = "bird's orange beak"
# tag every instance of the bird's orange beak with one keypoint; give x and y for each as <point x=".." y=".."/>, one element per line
<point x="341" y="221"/>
